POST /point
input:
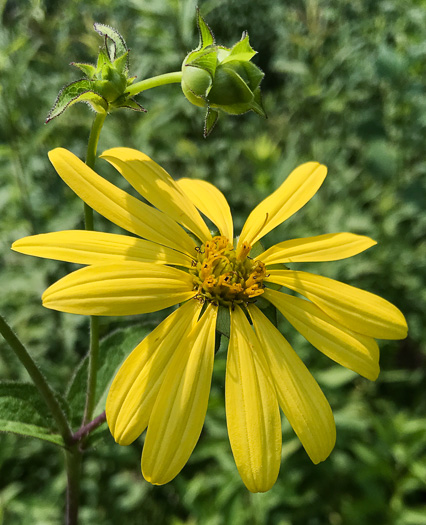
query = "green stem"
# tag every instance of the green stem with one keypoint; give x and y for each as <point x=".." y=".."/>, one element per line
<point x="73" y="465"/>
<point x="38" y="379"/>
<point x="149" y="83"/>
<point x="94" y="322"/>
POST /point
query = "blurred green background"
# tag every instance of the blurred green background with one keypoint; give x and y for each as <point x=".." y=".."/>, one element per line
<point x="344" y="85"/>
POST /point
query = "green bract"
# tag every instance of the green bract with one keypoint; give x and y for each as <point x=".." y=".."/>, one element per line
<point x="105" y="85"/>
<point x="222" y="78"/>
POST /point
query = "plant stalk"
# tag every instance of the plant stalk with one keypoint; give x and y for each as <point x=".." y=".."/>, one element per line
<point x="149" y="83"/>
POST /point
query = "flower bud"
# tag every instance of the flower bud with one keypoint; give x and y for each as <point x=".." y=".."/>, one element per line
<point x="105" y="85"/>
<point x="222" y="78"/>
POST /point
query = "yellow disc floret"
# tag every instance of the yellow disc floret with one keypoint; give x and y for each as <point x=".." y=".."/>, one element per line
<point x="224" y="277"/>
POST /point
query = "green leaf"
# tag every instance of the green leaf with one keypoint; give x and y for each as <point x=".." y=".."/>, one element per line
<point x="118" y="46"/>
<point x="121" y="63"/>
<point x="223" y="323"/>
<point x="206" y="34"/>
<point x="257" y="105"/>
<point x="242" y="50"/>
<point x="79" y="91"/>
<point x="210" y="121"/>
<point x="113" y="349"/>
<point x="88" y="69"/>
<point x="24" y="412"/>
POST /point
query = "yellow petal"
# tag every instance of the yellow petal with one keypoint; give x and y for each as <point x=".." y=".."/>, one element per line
<point x="299" y="187"/>
<point x="329" y="247"/>
<point x="350" y="349"/>
<point x="210" y="201"/>
<point x="356" y="309"/>
<point x="252" y="411"/>
<point x="117" y="205"/>
<point x="157" y="187"/>
<point x="299" y="395"/>
<point x="125" y="288"/>
<point x="136" y="385"/>
<point x="90" y="247"/>
<point x="180" y="408"/>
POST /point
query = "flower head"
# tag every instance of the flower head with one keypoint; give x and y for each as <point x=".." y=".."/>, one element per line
<point x="164" y="384"/>
<point x="221" y="78"/>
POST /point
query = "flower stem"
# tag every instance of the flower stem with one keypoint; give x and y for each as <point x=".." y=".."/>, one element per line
<point x="149" y="83"/>
<point x="38" y="379"/>
<point x="94" y="322"/>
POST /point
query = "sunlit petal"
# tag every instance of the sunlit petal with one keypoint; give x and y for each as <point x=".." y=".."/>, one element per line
<point x="328" y="247"/>
<point x="180" y="408"/>
<point x="350" y="349"/>
<point x="356" y="309"/>
<point x="299" y="187"/>
<point x="252" y="412"/>
<point x="117" y="205"/>
<point x="91" y="247"/>
<point x="210" y="201"/>
<point x="136" y="385"/>
<point x="125" y="288"/>
<point x="299" y="395"/>
<point x="158" y="188"/>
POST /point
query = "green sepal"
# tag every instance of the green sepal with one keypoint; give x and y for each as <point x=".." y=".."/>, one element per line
<point x="206" y="34"/>
<point x="257" y="104"/>
<point x="206" y="61"/>
<point x="131" y="103"/>
<point x="78" y="91"/>
<point x="118" y="45"/>
<point x="210" y="121"/>
<point x="88" y="69"/>
<point x="242" y="50"/>
<point x="223" y="323"/>
<point x="121" y="63"/>
<point x="230" y="91"/>
<point x="24" y="412"/>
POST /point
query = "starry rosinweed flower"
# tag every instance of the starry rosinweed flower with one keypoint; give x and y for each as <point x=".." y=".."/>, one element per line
<point x="164" y="384"/>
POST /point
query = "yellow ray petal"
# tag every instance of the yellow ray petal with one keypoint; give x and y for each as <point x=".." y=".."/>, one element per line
<point x="90" y="247"/>
<point x="299" y="395"/>
<point x="328" y="247"/>
<point x="356" y="309"/>
<point x="252" y="412"/>
<point x="350" y="349"/>
<point x="210" y="201"/>
<point x="117" y="205"/>
<point x="180" y="408"/>
<point x="157" y="187"/>
<point x="299" y="187"/>
<point x="136" y="385"/>
<point x="125" y="288"/>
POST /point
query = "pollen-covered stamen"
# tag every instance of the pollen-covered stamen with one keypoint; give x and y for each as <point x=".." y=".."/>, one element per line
<point x="224" y="277"/>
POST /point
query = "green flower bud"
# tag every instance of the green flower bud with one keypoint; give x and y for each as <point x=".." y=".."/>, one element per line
<point x="105" y="85"/>
<point x="221" y="78"/>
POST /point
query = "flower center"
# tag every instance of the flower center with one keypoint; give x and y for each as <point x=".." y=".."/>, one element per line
<point x="224" y="277"/>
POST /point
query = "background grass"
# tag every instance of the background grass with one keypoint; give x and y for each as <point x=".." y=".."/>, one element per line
<point x="344" y="85"/>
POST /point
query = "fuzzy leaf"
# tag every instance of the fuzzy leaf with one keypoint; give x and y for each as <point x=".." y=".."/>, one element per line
<point x="24" y="412"/>
<point x="132" y="104"/>
<point x="113" y="349"/>
<point x="118" y="46"/>
<point x="79" y="91"/>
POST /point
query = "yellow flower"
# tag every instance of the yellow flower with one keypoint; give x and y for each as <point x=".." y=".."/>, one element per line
<point x="164" y="384"/>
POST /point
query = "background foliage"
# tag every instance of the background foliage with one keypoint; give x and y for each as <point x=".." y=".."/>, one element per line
<point x="345" y="86"/>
